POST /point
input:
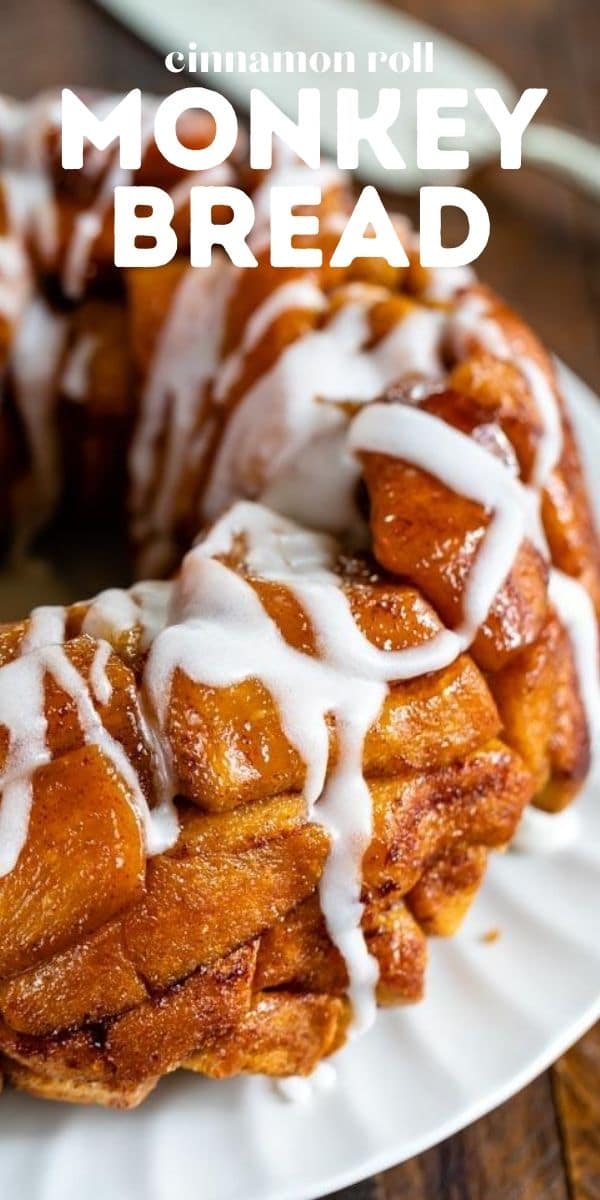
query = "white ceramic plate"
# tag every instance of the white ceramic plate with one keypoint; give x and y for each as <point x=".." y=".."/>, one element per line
<point x="496" y="1014"/>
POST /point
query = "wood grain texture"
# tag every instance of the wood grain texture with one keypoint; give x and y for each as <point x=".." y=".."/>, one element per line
<point x="544" y="256"/>
<point x="576" y="1080"/>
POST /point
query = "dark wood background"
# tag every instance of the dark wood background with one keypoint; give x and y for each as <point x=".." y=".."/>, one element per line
<point x="544" y="255"/>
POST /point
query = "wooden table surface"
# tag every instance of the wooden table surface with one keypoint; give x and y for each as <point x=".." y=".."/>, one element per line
<point x="544" y="255"/>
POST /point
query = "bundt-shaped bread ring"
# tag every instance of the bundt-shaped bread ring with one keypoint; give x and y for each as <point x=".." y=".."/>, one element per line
<point x="235" y="804"/>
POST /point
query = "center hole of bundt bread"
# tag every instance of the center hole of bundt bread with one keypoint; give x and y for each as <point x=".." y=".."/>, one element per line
<point x="68" y="561"/>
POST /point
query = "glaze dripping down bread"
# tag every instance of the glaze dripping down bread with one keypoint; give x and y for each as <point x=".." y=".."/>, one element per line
<point x="236" y="801"/>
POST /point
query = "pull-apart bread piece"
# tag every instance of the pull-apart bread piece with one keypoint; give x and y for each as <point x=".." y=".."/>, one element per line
<point x="70" y="403"/>
<point x="75" y="337"/>
<point x="66" y="216"/>
<point x="233" y="806"/>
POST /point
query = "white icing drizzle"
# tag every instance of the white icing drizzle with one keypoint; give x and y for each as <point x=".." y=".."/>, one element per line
<point x="423" y="440"/>
<point x="27" y="182"/>
<point x="35" y="358"/>
<point x="301" y="1089"/>
<point x="46" y="627"/>
<point x="22" y="704"/>
<point x="273" y="546"/>
<point x="22" y="713"/>
<point x="115" y="611"/>
<point x="15" y="279"/>
<point x="272" y="433"/>
<point x="24" y="128"/>
<point x="100" y="684"/>
<point x="296" y="294"/>
<point x="471" y="470"/>
<point x="110" y="613"/>
<point x="160" y="826"/>
<point x="87" y="228"/>
<point x="576" y="611"/>
<point x="291" y="443"/>
<point x="74" y="383"/>
<point x="443" y="283"/>
<point x="288" y="172"/>
<point x="31" y="209"/>
<point x="144" y="607"/>
<point x="88" y="225"/>
<point x="471" y="318"/>
<point x="183" y="367"/>
<point x="221" y="634"/>
<point x="284" y="445"/>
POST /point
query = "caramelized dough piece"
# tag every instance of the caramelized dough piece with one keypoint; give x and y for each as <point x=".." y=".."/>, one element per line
<point x="235" y="876"/>
<point x="202" y="903"/>
<point x="95" y="419"/>
<point x="89" y="981"/>
<point x="540" y="704"/>
<point x="488" y="391"/>
<point x="297" y="952"/>
<point x="569" y="521"/>
<point x="416" y="816"/>
<point x="84" y="858"/>
<point x="76" y="1091"/>
<point x="234" y="749"/>
<point x="76" y="192"/>
<point x="150" y="297"/>
<point x="425" y="532"/>
<point x="82" y="863"/>
<point x="478" y="801"/>
<point x="151" y="1040"/>
<point x="432" y="721"/>
<point x="518" y="336"/>
<point x="397" y="942"/>
<point x="502" y="397"/>
<point x="283" y="1034"/>
<point x="11" y="639"/>
<point x="156" y="1037"/>
<point x="447" y="888"/>
<point x="120" y="716"/>
<point x="73" y="1057"/>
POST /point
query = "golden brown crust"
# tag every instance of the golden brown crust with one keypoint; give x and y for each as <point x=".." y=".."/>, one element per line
<point x="190" y="957"/>
<point x="214" y="956"/>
